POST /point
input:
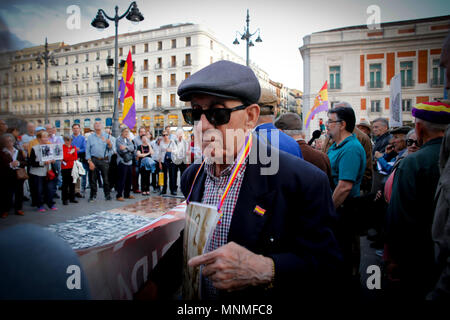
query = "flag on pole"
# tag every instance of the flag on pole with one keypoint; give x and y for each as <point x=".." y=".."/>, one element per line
<point x="395" y="117"/>
<point x="127" y="94"/>
<point x="320" y="104"/>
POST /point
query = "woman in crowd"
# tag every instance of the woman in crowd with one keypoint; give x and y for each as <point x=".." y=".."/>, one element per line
<point x="125" y="154"/>
<point x="166" y="147"/>
<point x="155" y="146"/>
<point x="43" y="174"/>
<point x="146" y="164"/>
<point x="16" y="133"/>
<point x="70" y="156"/>
<point x="11" y="159"/>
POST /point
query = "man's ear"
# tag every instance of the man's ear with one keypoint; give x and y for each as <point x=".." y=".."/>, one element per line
<point x="252" y="115"/>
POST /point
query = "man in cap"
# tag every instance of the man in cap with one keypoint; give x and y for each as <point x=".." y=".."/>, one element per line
<point x="275" y="230"/>
<point x="265" y="129"/>
<point x="409" y="244"/>
<point x="398" y="146"/>
<point x="291" y="124"/>
<point x="441" y="223"/>
<point x="365" y="127"/>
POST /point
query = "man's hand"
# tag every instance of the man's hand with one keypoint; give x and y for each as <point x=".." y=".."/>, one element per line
<point x="233" y="267"/>
<point x="122" y="147"/>
<point x="91" y="166"/>
<point x="109" y="143"/>
<point x="378" y="154"/>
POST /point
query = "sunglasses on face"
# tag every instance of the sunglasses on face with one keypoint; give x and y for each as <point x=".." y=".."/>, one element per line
<point x="410" y="142"/>
<point x="215" y="116"/>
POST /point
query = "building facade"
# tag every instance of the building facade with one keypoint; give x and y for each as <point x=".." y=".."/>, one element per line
<point x="359" y="63"/>
<point x="81" y="85"/>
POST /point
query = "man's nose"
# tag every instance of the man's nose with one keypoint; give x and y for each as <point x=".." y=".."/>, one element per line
<point x="206" y="125"/>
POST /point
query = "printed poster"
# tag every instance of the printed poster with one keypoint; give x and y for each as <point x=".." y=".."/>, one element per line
<point x="200" y="223"/>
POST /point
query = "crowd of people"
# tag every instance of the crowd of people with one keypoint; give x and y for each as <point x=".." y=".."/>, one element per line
<point x="126" y="164"/>
<point x="298" y="226"/>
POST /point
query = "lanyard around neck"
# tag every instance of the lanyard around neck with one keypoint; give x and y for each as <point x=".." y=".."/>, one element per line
<point x="237" y="166"/>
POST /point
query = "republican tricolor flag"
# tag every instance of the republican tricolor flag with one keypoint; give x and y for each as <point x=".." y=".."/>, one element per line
<point x="320" y="104"/>
<point x="126" y="88"/>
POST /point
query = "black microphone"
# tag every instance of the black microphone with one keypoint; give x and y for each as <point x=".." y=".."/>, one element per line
<point x="315" y="135"/>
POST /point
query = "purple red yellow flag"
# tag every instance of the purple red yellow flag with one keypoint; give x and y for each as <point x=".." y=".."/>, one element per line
<point x="129" y="107"/>
<point x="320" y="104"/>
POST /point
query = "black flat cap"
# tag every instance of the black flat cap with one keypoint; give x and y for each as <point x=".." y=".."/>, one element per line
<point x="401" y="130"/>
<point x="223" y="79"/>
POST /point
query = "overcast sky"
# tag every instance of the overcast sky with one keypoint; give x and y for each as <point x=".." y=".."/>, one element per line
<point x="283" y="23"/>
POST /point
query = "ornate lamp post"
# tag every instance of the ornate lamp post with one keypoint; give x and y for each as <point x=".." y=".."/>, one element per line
<point x="133" y="14"/>
<point x="46" y="57"/>
<point x="247" y="37"/>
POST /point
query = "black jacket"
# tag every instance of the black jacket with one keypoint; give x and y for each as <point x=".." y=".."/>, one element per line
<point x="295" y="231"/>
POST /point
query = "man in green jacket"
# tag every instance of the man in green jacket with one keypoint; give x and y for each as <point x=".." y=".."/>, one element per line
<point x="409" y="246"/>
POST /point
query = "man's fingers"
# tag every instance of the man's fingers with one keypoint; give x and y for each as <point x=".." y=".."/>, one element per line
<point x="206" y="258"/>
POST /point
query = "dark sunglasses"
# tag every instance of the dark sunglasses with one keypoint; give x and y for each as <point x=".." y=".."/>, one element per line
<point x="164" y="135"/>
<point x="215" y="116"/>
<point x="410" y="142"/>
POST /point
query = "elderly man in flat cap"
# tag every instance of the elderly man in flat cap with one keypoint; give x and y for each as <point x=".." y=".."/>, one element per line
<point x="409" y="244"/>
<point x="265" y="128"/>
<point x="275" y="233"/>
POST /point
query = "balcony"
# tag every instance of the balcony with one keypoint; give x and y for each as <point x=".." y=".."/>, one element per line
<point x="187" y="63"/>
<point x="37" y="81"/>
<point x="85" y="76"/>
<point x="143" y="86"/>
<point x="107" y="108"/>
<point x="171" y="65"/>
<point x="75" y="77"/>
<point x="96" y="75"/>
<point x="54" y="81"/>
<point x="408" y="83"/>
<point x="55" y="95"/>
<point x="30" y="82"/>
<point x="106" y="90"/>
<point x="158" y="66"/>
<point x="106" y="75"/>
<point x="65" y="78"/>
<point x="372" y="85"/>
<point x="17" y="99"/>
<point x="172" y="83"/>
<point x="144" y="69"/>
<point x="436" y="82"/>
<point x="30" y="97"/>
<point x="335" y="86"/>
<point x="157" y="85"/>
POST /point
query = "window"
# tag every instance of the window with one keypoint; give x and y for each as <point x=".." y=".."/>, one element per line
<point x="145" y="83"/>
<point x="187" y="59"/>
<point x="437" y="78"/>
<point x="31" y="66"/>
<point x="188" y="41"/>
<point x="98" y="56"/>
<point x="87" y="57"/>
<point x="335" y="77"/>
<point x="159" y="81"/>
<point x="120" y="51"/>
<point x="211" y="60"/>
<point x="159" y="64"/>
<point x="67" y="60"/>
<point x="406" y="105"/>
<point x="146" y="47"/>
<point x="406" y="73"/>
<point x="76" y="59"/>
<point x="375" y="106"/>
<point x="187" y="75"/>
<point x="174" y="43"/>
<point x="173" y="61"/>
<point x="159" y="45"/>
<point x="145" y="102"/>
<point x="172" y="100"/>
<point x="145" y="64"/>
<point x="158" y="100"/>
<point x="211" y="44"/>
<point x="173" y="80"/>
<point x="133" y="49"/>
<point x="375" y="76"/>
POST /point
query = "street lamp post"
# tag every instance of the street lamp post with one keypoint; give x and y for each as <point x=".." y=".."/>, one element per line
<point x="247" y="35"/>
<point x="47" y="57"/>
<point x="99" y="22"/>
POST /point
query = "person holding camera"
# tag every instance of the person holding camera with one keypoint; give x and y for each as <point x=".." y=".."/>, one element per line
<point x="126" y="150"/>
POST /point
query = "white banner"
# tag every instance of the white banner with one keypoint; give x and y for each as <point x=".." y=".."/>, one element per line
<point x="395" y="119"/>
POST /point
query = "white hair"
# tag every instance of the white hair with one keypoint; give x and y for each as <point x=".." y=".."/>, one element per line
<point x="431" y="126"/>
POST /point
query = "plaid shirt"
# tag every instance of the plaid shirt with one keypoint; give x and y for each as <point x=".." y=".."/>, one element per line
<point x="214" y="188"/>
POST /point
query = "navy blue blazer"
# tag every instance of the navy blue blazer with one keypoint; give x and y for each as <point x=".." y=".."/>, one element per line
<point x="295" y="231"/>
